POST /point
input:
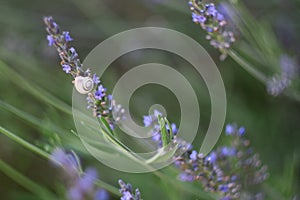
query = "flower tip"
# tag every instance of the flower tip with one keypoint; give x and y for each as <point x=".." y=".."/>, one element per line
<point x="229" y="129"/>
<point x="242" y="131"/>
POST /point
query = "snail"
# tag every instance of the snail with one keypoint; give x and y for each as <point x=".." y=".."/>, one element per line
<point x="84" y="85"/>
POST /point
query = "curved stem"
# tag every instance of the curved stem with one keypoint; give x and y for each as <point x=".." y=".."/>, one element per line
<point x="247" y="66"/>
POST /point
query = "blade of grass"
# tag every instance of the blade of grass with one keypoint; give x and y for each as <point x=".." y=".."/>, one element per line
<point x="33" y="89"/>
<point x="42" y="153"/>
<point x="24" y="143"/>
<point x="25" y="182"/>
<point x="36" y="122"/>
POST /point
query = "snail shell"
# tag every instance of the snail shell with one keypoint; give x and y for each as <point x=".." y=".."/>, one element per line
<point x="84" y="85"/>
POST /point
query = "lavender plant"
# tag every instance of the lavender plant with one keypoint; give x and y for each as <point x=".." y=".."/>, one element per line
<point x="214" y="24"/>
<point x="127" y="192"/>
<point x="232" y="172"/>
<point x="154" y="122"/>
<point x="80" y="183"/>
<point x="85" y="82"/>
<point x="214" y="21"/>
<point x="228" y="171"/>
<point x="277" y="84"/>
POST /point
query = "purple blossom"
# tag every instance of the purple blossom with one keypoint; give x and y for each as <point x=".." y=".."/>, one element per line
<point x="86" y="182"/>
<point x="156" y="137"/>
<point x="229" y="129"/>
<point x="233" y="178"/>
<point x="174" y="128"/>
<point x="211" y="10"/>
<point x="100" y="92"/>
<point x="220" y="17"/>
<point x="73" y="53"/>
<point x="126" y="196"/>
<point x="242" y="131"/>
<point x="212" y="157"/>
<point x="51" y="40"/>
<point x="227" y="151"/>
<point x="127" y="192"/>
<point x="186" y="177"/>
<point x="289" y="66"/>
<point x="209" y="29"/>
<point x="66" y="68"/>
<point x="147" y="120"/>
<point x="223" y="188"/>
<point x="198" y="18"/>
<point x="68" y="161"/>
<point x="101" y="194"/>
<point x="212" y="21"/>
<point x="157" y="113"/>
<point x="194" y="155"/>
<point x="74" y="193"/>
<point x="96" y="79"/>
<point x="67" y="36"/>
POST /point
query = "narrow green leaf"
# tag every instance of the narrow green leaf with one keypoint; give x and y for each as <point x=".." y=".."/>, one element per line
<point x="25" y="182"/>
<point x="164" y="132"/>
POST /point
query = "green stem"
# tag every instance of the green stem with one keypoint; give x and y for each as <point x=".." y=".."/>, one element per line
<point x="248" y="67"/>
<point x="25" y="182"/>
<point x="42" y="153"/>
<point x="24" y="143"/>
<point x="107" y="187"/>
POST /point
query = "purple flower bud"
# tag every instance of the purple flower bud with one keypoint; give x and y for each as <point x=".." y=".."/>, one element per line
<point x="229" y="129"/>
<point x="226" y="151"/>
<point x="223" y="188"/>
<point x="96" y="79"/>
<point x="194" y="155"/>
<point x="126" y="196"/>
<point x="242" y="131"/>
<point x="198" y="18"/>
<point x="220" y="17"/>
<point x="147" y="121"/>
<point x="86" y="182"/>
<point x="156" y="137"/>
<point x="174" y="128"/>
<point x="100" y="92"/>
<point x="101" y="194"/>
<point x="68" y="161"/>
<point x="51" y="40"/>
<point x="75" y="193"/>
<point x="66" y="68"/>
<point x="211" y="10"/>
<point x="186" y="177"/>
<point x="156" y="113"/>
<point x="212" y="157"/>
<point x="67" y="36"/>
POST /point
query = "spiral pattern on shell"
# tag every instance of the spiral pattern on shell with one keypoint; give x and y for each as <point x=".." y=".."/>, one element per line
<point x="84" y="85"/>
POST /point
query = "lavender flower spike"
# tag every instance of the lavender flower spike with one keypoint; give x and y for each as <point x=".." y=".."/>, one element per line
<point x="97" y="99"/>
<point x="214" y="23"/>
<point x="127" y="193"/>
<point x="216" y="172"/>
<point x="79" y="184"/>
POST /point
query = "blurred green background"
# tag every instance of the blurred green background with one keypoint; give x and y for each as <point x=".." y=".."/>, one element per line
<point x="272" y="123"/>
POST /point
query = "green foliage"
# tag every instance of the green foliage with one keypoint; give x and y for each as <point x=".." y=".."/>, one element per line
<point x="35" y="100"/>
